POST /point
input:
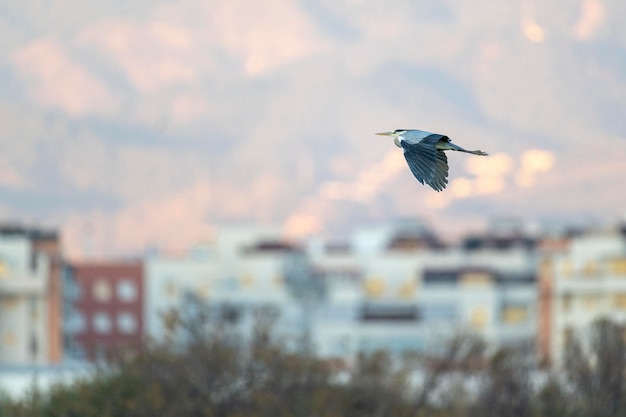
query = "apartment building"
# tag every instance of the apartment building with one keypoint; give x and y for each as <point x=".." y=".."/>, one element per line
<point x="580" y="280"/>
<point x="410" y="292"/>
<point x="104" y="307"/>
<point x="30" y="296"/>
<point x="243" y="269"/>
<point x="171" y="282"/>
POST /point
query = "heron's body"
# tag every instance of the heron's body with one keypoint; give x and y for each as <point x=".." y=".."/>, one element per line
<point x="424" y="152"/>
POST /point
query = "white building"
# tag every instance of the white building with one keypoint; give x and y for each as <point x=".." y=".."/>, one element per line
<point x="582" y="283"/>
<point x="412" y="294"/>
<point x="169" y="282"/>
<point x="29" y="297"/>
<point x="395" y="288"/>
<point x="244" y="269"/>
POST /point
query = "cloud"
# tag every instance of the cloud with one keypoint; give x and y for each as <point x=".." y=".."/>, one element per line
<point x="11" y="178"/>
<point x="592" y="16"/>
<point x="491" y="175"/>
<point x="533" y="162"/>
<point x="173" y="221"/>
<point x="489" y="185"/>
<point x="153" y="55"/>
<point x="299" y="225"/>
<point x="272" y="108"/>
<point x="366" y="184"/>
<point x="495" y="165"/>
<point x="126" y="172"/>
<point x="264" y="38"/>
<point x="180" y="42"/>
<point x="188" y="107"/>
<point x="461" y="187"/>
<point x="530" y="28"/>
<point x="54" y="80"/>
<point x="537" y="160"/>
<point x="438" y="201"/>
<point x="312" y="210"/>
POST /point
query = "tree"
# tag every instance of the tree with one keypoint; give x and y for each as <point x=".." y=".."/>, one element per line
<point x="595" y="366"/>
<point x="460" y="355"/>
<point x="507" y="389"/>
<point x="215" y="371"/>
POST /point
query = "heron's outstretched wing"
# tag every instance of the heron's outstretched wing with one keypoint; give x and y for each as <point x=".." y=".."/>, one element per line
<point x="441" y="172"/>
<point x="428" y="165"/>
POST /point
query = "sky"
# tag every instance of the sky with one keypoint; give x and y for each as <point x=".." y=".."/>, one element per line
<point x="135" y="124"/>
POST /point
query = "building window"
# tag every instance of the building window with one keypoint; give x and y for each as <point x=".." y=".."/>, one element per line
<point x="568" y="336"/>
<point x="591" y="269"/>
<point x="203" y="291"/>
<point x="619" y="301"/>
<point x="102" y="323"/>
<point x="407" y="289"/>
<point x="567" y="268"/>
<point x="592" y="301"/>
<point x="4" y="269"/>
<point x="171" y="290"/>
<point x="33" y="310"/>
<point x="278" y="280"/>
<point x="374" y="287"/>
<point x="514" y="314"/>
<point x="101" y="291"/>
<point x="439" y="311"/>
<point x="478" y="317"/>
<point x="389" y="313"/>
<point x="9" y="339"/>
<point x="74" y="291"/>
<point x="246" y="280"/>
<point x="619" y="267"/>
<point x="9" y="303"/>
<point x="126" y="291"/>
<point x="126" y="323"/>
<point x="76" y="323"/>
<point x="566" y="302"/>
<point x="475" y="279"/>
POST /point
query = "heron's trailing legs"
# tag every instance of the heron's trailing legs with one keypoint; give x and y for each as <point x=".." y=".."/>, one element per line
<point x="451" y="146"/>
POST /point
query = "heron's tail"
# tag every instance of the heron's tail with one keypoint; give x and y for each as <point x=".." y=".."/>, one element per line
<point x="458" y="148"/>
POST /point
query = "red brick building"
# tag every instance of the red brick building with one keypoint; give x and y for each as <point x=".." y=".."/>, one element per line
<point x="107" y="307"/>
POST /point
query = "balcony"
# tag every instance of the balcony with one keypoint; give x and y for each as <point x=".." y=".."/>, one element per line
<point x="17" y="285"/>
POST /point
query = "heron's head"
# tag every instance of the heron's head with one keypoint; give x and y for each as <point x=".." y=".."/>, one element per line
<point x="396" y="135"/>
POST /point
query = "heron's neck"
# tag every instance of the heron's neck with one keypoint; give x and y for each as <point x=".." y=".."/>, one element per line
<point x="397" y="140"/>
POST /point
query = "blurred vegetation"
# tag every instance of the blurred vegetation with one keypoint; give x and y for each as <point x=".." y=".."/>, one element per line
<point x="217" y="372"/>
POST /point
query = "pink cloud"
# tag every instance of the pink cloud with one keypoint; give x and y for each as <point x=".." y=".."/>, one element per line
<point x="172" y="221"/>
<point x="315" y="210"/>
<point x="152" y="55"/>
<point x="179" y="42"/>
<point x="11" y="178"/>
<point x="264" y="37"/>
<point x="53" y="79"/>
<point x="592" y="17"/>
<point x="188" y="108"/>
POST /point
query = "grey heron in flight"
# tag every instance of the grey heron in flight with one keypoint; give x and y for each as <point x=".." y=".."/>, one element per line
<point x="424" y="152"/>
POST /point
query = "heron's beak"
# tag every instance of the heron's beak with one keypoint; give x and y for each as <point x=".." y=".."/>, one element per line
<point x="385" y="134"/>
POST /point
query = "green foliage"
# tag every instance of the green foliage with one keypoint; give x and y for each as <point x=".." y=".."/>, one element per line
<point x="507" y="391"/>
<point x="595" y="367"/>
<point x="216" y="372"/>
